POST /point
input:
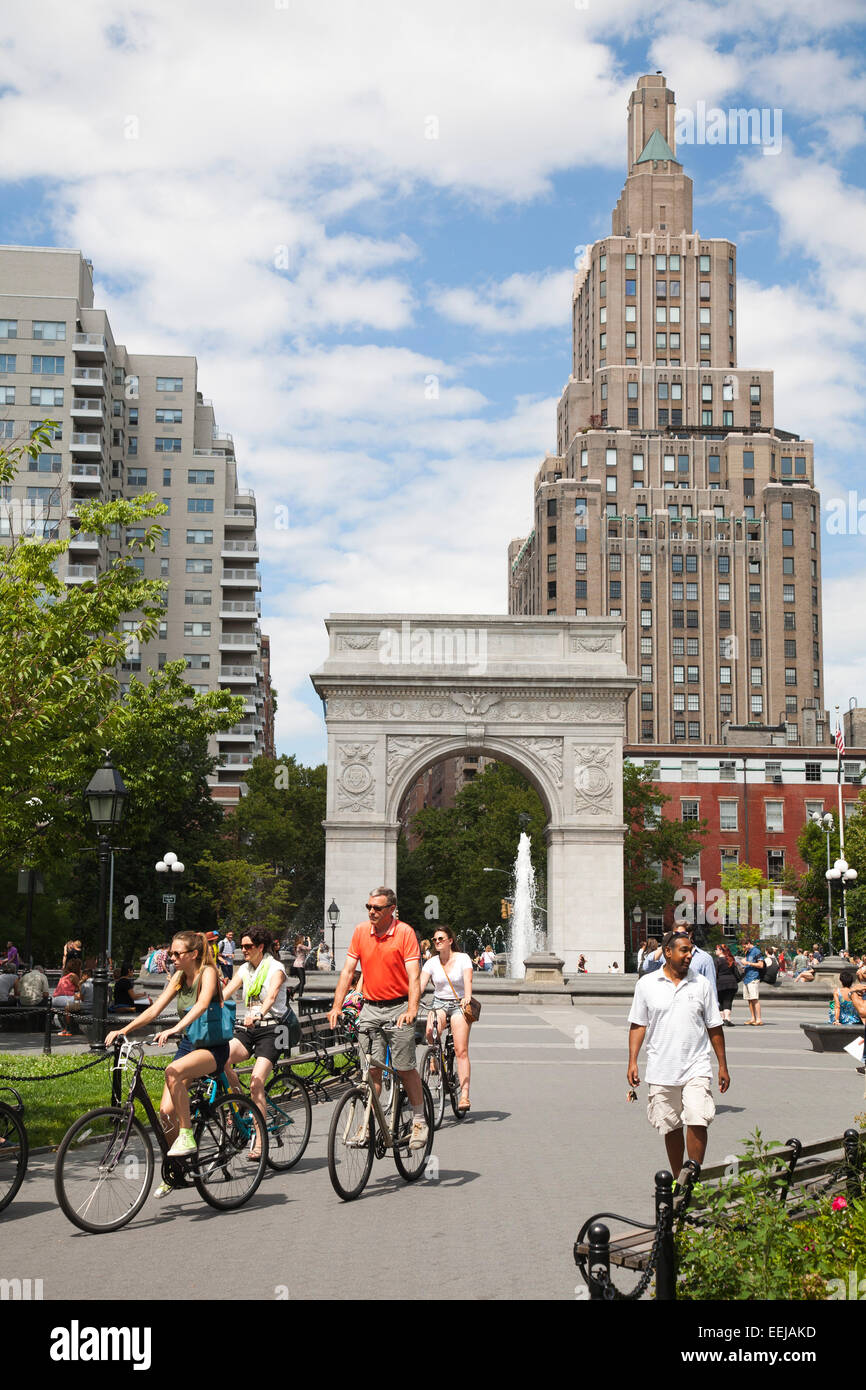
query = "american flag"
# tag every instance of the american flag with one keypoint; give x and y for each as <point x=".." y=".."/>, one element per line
<point x="840" y="741"/>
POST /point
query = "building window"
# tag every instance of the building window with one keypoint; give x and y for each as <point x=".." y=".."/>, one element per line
<point x="47" y="366"/>
<point x="195" y="630"/>
<point x="646" y="617"/>
<point x="199" y="566"/>
<point x="201" y="598"/>
<point x="137" y="477"/>
<point x="551" y="588"/>
<point x="757" y="704"/>
<point x="169" y="383"/>
<point x="790" y="675"/>
<point x="728" y="815"/>
<point x="580" y="588"/>
<point x="775" y="865"/>
<point x="551" y="563"/>
<point x="199" y="537"/>
<point x="166" y="445"/>
<point x="679" y="675"/>
<point x="199" y="504"/>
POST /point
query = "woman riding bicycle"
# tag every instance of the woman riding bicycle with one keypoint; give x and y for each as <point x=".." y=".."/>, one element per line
<point x="263" y="978"/>
<point x="194" y="985"/>
<point x="451" y="973"/>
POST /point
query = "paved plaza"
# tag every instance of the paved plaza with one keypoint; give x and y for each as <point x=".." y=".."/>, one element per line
<point x="551" y="1140"/>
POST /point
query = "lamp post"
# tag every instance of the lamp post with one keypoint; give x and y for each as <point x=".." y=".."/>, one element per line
<point x="105" y="797"/>
<point x="827" y="824"/>
<point x="841" y="873"/>
<point x="169" y="864"/>
<point x="334" y="919"/>
<point x="636" y="918"/>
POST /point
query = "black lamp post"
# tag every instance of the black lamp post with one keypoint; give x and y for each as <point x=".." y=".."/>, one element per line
<point x="106" y="801"/>
<point x="334" y="919"/>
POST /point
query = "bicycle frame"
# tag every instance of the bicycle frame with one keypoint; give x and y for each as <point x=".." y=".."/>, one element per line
<point x="138" y="1090"/>
<point x="373" y="1104"/>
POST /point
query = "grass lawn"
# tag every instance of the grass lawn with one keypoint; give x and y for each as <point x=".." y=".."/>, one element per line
<point x="51" y="1106"/>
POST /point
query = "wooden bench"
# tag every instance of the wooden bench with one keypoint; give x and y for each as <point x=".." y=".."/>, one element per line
<point x="800" y="1174"/>
<point x="831" y="1037"/>
<point x="328" y="1059"/>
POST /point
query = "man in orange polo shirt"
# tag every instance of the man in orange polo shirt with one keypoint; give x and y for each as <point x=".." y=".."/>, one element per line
<point x="390" y="959"/>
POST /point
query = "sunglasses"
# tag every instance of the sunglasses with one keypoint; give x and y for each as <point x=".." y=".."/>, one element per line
<point x="371" y="907"/>
<point x="437" y="939"/>
<point x="175" y="955"/>
<point x="246" y="945"/>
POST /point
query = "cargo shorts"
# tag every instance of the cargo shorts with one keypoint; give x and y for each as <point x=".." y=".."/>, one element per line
<point x="377" y="1027"/>
<point x="671" y="1107"/>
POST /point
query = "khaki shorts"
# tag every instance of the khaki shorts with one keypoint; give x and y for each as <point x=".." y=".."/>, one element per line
<point x="377" y="1027"/>
<point x="750" y="991"/>
<point x="671" y="1107"/>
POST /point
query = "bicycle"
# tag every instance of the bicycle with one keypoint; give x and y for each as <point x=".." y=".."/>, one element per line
<point x="289" y="1119"/>
<point x="14" y="1147"/>
<point x="361" y="1129"/>
<point x="105" y="1162"/>
<point x="439" y="1072"/>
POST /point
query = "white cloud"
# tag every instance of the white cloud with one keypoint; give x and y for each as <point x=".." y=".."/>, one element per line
<point x="518" y="304"/>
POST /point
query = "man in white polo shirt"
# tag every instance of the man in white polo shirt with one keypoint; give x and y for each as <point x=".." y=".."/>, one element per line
<point x="675" y="1009"/>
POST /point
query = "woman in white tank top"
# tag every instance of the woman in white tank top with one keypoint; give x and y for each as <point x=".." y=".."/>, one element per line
<point x="451" y="973"/>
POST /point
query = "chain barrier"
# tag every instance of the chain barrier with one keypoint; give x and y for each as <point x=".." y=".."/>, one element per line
<point x="56" y="1075"/>
<point x="609" y="1291"/>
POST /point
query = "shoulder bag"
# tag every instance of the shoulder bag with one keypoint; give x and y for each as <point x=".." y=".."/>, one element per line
<point x="217" y="1023"/>
<point x="470" y="1006"/>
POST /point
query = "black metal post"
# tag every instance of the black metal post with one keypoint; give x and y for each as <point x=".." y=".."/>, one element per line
<point x="46" y="1037"/>
<point x="598" y="1261"/>
<point x="100" y="975"/>
<point x="28" y="925"/>
<point x="666" y="1275"/>
<point x="851" y="1141"/>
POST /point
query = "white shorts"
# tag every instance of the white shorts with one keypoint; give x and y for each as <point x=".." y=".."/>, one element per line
<point x="751" y="990"/>
<point x="671" y="1107"/>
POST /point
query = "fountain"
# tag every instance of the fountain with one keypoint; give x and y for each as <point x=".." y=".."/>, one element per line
<point x="528" y="957"/>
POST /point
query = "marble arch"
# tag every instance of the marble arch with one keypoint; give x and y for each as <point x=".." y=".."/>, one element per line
<point x="548" y="695"/>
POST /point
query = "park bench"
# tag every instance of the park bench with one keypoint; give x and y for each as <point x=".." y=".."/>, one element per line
<point x="831" y="1037"/>
<point x="324" y="1060"/>
<point x="800" y="1173"/>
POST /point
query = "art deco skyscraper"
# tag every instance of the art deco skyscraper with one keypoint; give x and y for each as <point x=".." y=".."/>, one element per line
<point x="674" y="501"/>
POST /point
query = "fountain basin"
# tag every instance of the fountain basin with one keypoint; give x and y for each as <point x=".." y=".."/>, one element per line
<point x="543" y="966"/>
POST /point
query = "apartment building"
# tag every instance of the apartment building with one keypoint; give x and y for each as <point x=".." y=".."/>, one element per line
<point x="674" y="501"/>
<point x="129" y="423"/>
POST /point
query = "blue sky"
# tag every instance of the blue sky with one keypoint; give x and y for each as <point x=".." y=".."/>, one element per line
<point x="256" y="184"/>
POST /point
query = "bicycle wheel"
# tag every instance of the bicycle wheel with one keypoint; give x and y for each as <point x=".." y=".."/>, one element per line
<point x="13" y="1154"/>
<point x="226" y="1132"/>
<point x="104" y="1169"/>
<point x="349" y="1163"/>
<point x="431" y="1074"/>
<point x="411" y="1163"/>
<point x="289" y="1120"/>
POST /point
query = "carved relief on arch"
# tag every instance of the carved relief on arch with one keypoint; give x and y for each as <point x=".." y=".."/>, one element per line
<point x="400" y="750"/>
<point x="593" y="784"/>
<point x="356" y="784"/>
<point x="546" y="751"/>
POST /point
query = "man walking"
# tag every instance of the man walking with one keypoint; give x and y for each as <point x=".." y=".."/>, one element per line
<point x="752" y="982"/>
<point x="388" y="953"/>
<point x="226" y="954"/>
<point x="675" y="1010"/>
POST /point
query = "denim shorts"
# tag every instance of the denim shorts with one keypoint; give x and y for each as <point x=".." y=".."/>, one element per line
<point x="218" y="1051"/>
<point x="447" y="1006"/>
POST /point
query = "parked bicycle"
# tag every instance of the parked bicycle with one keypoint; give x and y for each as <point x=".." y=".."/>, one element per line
<point x="105" y="1162"/>
<point x="14" y="1148"/>
<point x="362" y="1128"/>
<point x="439" y="1073"/>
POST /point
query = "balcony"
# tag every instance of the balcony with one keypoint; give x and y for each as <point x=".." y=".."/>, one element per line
<point x="238" y="675"/>
<point x="78" y="574"/>
<point x="239" y="641"/>
<point x="88" y="474"/>
<point x="85" y="540"/>
<point x="86" y="444"/>
<point x="87" y="409"/>
<point x="241" y="733"/>
<point x="235" y="759"/>
<point x="249" y="550"/>
<point x="240" y="608"/>
<point x="208" y="454"/>
<point x="244" y="518"/>
<point x="245" y="579"/>
<point x="89" y="344"/>
<point x="88" y="378"/>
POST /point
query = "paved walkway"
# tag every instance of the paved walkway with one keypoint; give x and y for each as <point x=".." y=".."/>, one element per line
<point x="551" y="1140"/>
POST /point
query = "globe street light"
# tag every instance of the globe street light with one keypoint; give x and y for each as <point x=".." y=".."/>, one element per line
<point x="105" y="797"/>
<point x="169" y="864"/>
<point x="827" y="824"/>
<point x="840" y="872"/>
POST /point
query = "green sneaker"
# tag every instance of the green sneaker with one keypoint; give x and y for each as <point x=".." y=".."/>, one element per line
<point x="163" y="1190"/>
<point x="184" y="1145"/>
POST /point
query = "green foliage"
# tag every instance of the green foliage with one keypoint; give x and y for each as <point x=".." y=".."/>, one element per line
<point x="655" y="845"/>
<point x="480" y="830"/>
<point x="279" y="821"/>
<point x="811" y="886"/>
<point x="238" y="894"/>
<point x="752" y="1249"/>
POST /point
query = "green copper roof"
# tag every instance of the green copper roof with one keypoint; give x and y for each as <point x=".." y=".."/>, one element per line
<point x="656" y="147"/>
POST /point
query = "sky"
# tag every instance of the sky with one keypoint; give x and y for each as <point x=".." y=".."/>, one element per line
<point x="363" y="221"/>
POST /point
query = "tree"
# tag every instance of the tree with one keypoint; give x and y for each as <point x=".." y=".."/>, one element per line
<point x="59" y="645"/>
<point x="655" y="845"/>
<point x="239" y="894"/>
<point x="811" y="886"/>
<point x="279" y="821"/>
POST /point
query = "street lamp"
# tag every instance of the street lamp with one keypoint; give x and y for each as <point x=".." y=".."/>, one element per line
<point x="840" y="872"/>
<point x="334" y="919"/>
<point x="105" y="797"/>
<point x="826" y="823"/>
<point x="169" y="864"/>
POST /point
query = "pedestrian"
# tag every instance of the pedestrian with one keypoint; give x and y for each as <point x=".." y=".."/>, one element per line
<point x="451" y="973"/>
<point x="426" y="952"/>
<point x="71" y="957"/>
<point x="8" y="987"/>
<point x="390" y="959"/>
<point x="34" y="988"/>
<point x="728" y="976"/>
<point x="842" y="1008"/>
<point x="652" y="956"/>
<point x="127" y="996"/>
<point x="581" y="966"/>
<point x="11" y="956"/>
<point x="702" y="962"/>
<point x="640" y="955"/>
<point x="66" y="989"/>
<point x="752" y="982"/>
<point x="488" y="958"/>
<point x="302" y="950"/>
<point x="323" y="957"/>
<point x="675" y="1011"/>
<point x="226" y="954"/>
<point x="613" y="969"/>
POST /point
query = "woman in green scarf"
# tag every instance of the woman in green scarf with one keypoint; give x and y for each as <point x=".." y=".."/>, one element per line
<point x="262" y="977"/>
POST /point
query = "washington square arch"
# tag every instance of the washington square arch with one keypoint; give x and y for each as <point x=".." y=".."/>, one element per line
<point x="547" y="695"/>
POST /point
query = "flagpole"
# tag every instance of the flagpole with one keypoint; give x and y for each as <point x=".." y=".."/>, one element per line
<point x="839" y="786"/>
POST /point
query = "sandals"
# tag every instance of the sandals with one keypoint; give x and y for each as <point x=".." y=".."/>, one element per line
<point x="463" y="1106"/>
